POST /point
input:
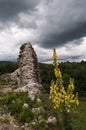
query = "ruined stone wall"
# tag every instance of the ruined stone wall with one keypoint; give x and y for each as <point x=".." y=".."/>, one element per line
<point x="28" y="65"/>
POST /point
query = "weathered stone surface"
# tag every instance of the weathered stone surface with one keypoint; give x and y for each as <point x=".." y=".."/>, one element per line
<point x="15" y="75"/>
<point x="27" y="74"/>
<point x="7" y="122"/>
<point x="25" y="105"/>
<point x="28" y="65"/>
<point x="51" y="120"/>
<point x="28" y="78"/>
<point x="38" y="109"/>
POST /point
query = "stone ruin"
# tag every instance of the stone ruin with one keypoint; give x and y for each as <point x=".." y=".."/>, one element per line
<point x="28" y="78"/>
<point x="27" y="75"/>
<point x="28" y="64"/>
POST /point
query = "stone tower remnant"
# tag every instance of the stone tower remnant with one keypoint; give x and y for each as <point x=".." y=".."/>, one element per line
<point x="27" y="74"/>
<point x="28" y="65"/>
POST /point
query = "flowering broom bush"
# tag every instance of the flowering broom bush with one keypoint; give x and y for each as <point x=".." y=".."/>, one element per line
<point x="65" y="101"/>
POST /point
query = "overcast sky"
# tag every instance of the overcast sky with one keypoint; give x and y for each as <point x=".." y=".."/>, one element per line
<point x="47" y="24"/>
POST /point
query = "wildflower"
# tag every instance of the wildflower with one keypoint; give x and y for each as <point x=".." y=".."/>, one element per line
<point x="57" y="73"/>
<point x="58" y="95"/>
<point x="68" y="110"/>
<point x="54" y="56"/>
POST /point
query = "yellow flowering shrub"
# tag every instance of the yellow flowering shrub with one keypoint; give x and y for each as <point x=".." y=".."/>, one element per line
<point x="62" y="99"/>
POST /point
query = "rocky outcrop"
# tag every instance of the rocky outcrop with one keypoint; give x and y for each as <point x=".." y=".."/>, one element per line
<point x="27" y="78"/>
<point x="28" y="65"/>
<point x="27" y="75"/>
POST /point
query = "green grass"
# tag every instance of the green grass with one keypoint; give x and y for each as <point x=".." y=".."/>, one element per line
<point x="80" y="116"/>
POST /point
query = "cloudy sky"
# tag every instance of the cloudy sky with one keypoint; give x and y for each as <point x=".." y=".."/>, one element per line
<point x="47" y="24"/>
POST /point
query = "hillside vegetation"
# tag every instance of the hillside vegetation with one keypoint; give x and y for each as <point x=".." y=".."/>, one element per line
<point x="14" y="102"/>
<point x="7" y="67"/>
<point x="68" y="69"/>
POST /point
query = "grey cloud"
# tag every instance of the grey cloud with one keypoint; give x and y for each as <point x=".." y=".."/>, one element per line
<point x="8" y="57"/>
<point x="48" y="23"/>
<point x="70" y="58"/>
<point x="9" y="9"/>
<point x="56" y="39"/>
<point x="65" y="21"/>
<point x="64" y="58"/>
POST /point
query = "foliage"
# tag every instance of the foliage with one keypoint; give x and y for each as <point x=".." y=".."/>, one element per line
<point x="79" y="122"/>
<point x="15" y="102"/>
<point x="79" y="117"/>
<point x="64" y="100"/>
<point x="77" y="70"/>
<point x="46" y="71"/>
<point x="25" y="115"/>
<point x="7" y="67"/>
<point x="48" y="111"/>
<point x="41" y="125"/>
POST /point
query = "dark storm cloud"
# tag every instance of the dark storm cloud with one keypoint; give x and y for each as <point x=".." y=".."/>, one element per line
<point x="65" y="22"/>
<point x="55" y="39"/>
<point x="45" y="23"/>
<point x="62" y="21"/>
<point x="9" y="9"/>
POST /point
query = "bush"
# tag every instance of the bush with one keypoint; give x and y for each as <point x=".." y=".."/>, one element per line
<point x="25" y="116"/>
<point x="8" y="98"/>
<point x="15" y="108"/>
<point x="14" y="103"/>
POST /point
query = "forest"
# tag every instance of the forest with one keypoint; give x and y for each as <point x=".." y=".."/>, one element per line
<point x="75" y="70"/>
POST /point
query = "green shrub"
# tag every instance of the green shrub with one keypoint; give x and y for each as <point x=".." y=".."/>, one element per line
<point x="25" y="115"/>
<point x="41" y="125"/>
<point x="8" y="98"/>
<point x="15" y="108"/>
<point x="14" y="103"/>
